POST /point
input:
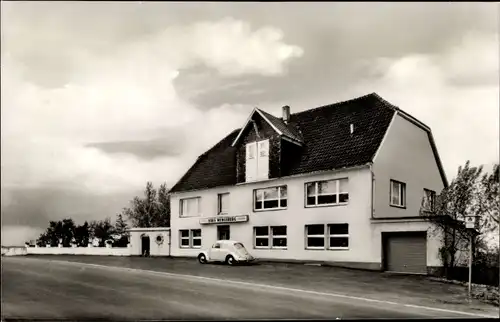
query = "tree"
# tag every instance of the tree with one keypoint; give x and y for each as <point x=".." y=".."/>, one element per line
<point x="464" y="196"/>
<point x="68" y="231"/>
<point x="121" y="229"/>
<point x="153" y="210"/>
<point x="121" y="225"/>
<point x="489" y="198"/>
<point x="102" y="230"/>
<point x="163" y="219"/>
<point x="82" y="234"/>
<point x="58" y="231"/>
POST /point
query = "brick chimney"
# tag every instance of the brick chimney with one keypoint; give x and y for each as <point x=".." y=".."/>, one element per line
<point x="286" y="113"/>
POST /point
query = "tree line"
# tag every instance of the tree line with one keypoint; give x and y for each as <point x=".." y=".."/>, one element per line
<point x="150" y="210"/>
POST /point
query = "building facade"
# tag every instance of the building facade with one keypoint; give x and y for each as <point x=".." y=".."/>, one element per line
<point x="342" y="184"/>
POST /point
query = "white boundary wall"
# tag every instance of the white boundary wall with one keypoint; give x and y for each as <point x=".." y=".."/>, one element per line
<point x="13" y="251"/>
<point x="103" y="251"/>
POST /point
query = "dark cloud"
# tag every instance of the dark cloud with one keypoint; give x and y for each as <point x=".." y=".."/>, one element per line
<point x="35" y="207"/>
<point x="147" y="150"/>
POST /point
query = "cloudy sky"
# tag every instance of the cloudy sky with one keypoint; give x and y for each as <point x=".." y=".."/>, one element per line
<point x="98" y="98"/>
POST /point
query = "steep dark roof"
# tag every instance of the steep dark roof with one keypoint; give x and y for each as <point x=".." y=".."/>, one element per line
<point x="287" y="129"/>
<point x="329" y="143"/>
<point x="325" y="131"/>
<point x="216" y="167"/>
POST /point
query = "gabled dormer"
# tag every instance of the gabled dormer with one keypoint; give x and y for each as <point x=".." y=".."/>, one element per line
<point x="259" y="145"/>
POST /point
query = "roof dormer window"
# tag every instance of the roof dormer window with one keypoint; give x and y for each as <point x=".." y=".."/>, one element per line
<point x="257" y="161"/>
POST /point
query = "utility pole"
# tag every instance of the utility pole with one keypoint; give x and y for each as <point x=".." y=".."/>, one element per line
<point x="470" y="266"/>
<point x="470" y="225"/>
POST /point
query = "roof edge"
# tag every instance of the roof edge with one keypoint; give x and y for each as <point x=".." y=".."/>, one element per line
<point x="424" y="127"/>
<point x="173" y="189"/>
<point x="248" y="121"/>
<point x="354" y="167"/>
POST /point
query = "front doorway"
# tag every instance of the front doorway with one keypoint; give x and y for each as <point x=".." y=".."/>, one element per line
<point x="145" y="245"/>
<point x="223" y="232"/>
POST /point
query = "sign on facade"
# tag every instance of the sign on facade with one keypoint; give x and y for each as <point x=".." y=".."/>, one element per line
<point x="470" y="222"/>
<point x="223" y="219"/>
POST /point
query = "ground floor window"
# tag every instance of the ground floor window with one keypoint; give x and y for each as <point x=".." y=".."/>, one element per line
<point x="190" y="238"/>
<point x="338" y="236"/>
<point x="270" y="237"/>
<point x="329" y="236"/>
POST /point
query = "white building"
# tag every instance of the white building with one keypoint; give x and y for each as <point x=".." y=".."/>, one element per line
<point x="341" y="184"/>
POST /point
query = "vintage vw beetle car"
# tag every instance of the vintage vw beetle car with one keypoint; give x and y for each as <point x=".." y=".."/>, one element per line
<point x="229" y="251"/>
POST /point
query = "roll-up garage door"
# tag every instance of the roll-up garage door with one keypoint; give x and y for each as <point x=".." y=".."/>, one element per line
<point x="406" y="253"/>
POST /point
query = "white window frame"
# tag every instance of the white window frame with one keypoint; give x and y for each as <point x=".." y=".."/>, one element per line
<point x="255" y="237"/>
<point x="429" y="201"/>
<point x="402" y="194"/>
<point x="316" y="193"/>
<point x="261" y="192"/>
<point x="191" y="234"/>
<point x="338" y="235"/>
<point x="219" y="204"/>
<point x="252" y="150"/>
<point x="181" y="238"/>
<point x="270" y="237"/>
<point x="263" y="153"/>
<point x="326" y="237"/>
<point x="181" y="207"/>
<point x="315" y="236"/>
<point x="190" y="237"/>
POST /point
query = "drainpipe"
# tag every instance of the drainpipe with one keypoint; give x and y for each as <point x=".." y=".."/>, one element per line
<point x="169" y="242"/>
<point x="372" y="190"/>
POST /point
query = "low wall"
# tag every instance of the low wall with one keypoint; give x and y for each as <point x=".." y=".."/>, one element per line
<point x="156" y="239"/>
<point x="13" y="251"/>
<point x="95" y="251"/>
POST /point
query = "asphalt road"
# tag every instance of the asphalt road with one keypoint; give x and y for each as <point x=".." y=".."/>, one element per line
<point x="38" y="288"/>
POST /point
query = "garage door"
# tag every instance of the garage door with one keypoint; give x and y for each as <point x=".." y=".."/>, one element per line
<point x="406" y="253"/>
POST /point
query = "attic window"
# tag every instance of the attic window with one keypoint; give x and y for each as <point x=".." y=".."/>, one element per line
<point x="251" y="151"/>
<point x="257" y="161"/>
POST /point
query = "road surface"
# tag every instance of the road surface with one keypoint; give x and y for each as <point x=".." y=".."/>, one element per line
<point x="39" y="288"/>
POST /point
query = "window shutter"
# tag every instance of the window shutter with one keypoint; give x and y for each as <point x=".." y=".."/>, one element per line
<point x="263" y="159"/>
<point x="251" y="162"/>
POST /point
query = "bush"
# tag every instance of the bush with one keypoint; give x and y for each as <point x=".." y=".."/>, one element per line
<point x="122" y="242"/>
<point x="481" y="274"/>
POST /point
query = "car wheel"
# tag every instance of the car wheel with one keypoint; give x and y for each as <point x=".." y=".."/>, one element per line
<point x="202" y="259"/>
<point x="230" y="260"/>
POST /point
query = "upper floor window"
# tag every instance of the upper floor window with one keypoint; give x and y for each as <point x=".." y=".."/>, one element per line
<point x="398" y="194"/>
<point x="190" y="207"/>
<point x="257" y="160"/>
<point x="270" y="198"/>
<point x="324" y="193"/>
<point x="429" y="200"/>
<point x="223" y="203"/>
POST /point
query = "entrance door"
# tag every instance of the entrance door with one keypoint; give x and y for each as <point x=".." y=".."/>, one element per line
<point x="223" y="232"/>
<point x="145" y="243"/>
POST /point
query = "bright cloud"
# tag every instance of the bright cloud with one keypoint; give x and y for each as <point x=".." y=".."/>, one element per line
<point x="126" y="95"/>
<point x="455" y="93"/>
